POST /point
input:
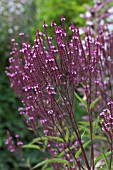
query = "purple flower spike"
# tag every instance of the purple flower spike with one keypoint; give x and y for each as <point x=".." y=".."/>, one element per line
<point x="46" y="76"/>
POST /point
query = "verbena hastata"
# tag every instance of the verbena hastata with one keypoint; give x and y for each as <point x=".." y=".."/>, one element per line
<point x="107" y="125"/>
<point x="45" y="78"/>
<point x="11" y="145"/>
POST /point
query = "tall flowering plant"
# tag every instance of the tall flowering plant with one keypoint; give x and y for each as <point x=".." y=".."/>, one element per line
<point x="48" y="79"/>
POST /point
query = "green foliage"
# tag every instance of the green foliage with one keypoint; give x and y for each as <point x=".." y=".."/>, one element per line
<point x="46" y="138"/>
<point x="94" y="102"/>
<point x="67" y="135"/>
<point x="53" y="160"/>
<point x="105" y="158"/>
<point x="71" y="10"/>
<point x="98" y="158"/>
<point x="8" y="105"/>
<point x="81" y="100"/>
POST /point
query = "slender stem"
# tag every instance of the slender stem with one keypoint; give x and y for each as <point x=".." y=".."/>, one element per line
<point x="111" y="156"/>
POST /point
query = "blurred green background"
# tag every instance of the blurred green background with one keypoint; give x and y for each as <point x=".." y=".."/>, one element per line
<point x="26" y="16"/>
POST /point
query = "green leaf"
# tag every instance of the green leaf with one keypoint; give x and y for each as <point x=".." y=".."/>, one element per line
<point x="46" y="138"/>
<point x="86" y="129"/>
<point x="100" y="157"/>
<point x="55" y="138"/>
<point x="102" y="168"/>
<point x="81" y="100"/>
<point x="96" y="125"/>
<point x="67" y="135"/>
<point x="31" y="146"/>
<point x="100" y="137"/>
<point x="39" y="139"/>
<point x="85" y="123"/>
<point x="48" y="161"/>
<point x="84" y="146"/>
<point x="94" y="102"/>
<point x="105" y="158"/>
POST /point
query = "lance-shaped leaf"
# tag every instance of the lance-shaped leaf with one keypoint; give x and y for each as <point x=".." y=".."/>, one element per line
<point x="48" y="161"/>
<point x="81" y="100"/>
<point x="94" y="102"/>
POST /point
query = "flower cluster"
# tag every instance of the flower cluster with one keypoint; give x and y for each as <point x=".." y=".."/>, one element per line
<point x="11" y="145"/>
<point x="107" y="122"/>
